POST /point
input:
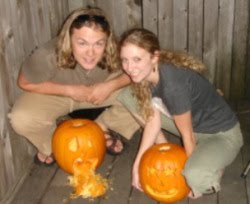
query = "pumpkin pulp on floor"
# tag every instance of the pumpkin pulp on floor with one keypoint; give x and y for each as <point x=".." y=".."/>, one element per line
<point x="86" y="182"/>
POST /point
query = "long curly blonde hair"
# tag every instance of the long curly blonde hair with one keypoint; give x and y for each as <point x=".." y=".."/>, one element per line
<point x="65" y="58"/>
<point x="148" y="41"/>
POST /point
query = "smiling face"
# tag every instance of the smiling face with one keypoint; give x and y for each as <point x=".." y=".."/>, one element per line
<point x="138" y="63"/>
<point x="88" y="45"/>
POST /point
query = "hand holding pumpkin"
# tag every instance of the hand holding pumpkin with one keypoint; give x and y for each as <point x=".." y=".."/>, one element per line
<point x="135" y="177"/>
<point x="160" y="173"/>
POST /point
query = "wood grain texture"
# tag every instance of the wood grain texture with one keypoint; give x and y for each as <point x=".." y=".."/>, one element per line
<point x="225" y="43"/>
<point x="240" y="35"/>
<point x="210" y="38"/>
<point x="234" y="189"/>
<point x="24" y="25"/>
<point x="216" y="31"/>
<point x="195" y="28"/>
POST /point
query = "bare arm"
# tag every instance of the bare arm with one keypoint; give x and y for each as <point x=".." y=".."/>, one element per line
<point x="119" y="82"/>
<point x="76" y="92"/>
<point x="151" y="131"/>
<point x="184" y="125"/>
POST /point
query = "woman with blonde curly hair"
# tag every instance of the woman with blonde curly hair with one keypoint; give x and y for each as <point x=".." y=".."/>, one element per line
<point x="170" y="92"/>
<point x="79" y="69"/>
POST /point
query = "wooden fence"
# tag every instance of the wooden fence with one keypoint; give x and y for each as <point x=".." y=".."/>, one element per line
<point x="24" y="25"/>
<point x="216" y="31"/>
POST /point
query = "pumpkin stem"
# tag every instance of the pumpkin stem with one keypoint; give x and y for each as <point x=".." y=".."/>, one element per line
<point x="164" y="148"/>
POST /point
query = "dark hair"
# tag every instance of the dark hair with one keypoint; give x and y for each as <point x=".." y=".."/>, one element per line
<point x="88" y="20"/>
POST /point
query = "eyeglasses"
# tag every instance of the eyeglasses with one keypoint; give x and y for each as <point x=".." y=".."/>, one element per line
<point x="92" y="18"/>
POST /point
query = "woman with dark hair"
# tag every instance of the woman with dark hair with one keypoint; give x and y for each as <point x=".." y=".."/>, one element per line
<point x="77" y="70"/>
<point x="170" y="92"/>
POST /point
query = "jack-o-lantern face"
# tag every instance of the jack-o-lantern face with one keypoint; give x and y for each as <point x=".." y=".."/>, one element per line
<point x="160" y="173"/>
<point x="78" y="138"/>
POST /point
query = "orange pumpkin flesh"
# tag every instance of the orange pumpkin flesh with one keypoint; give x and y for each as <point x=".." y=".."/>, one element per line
<point x="86" y="182"/>
<point x="79" y="148"/>
<point x="160" y="173"/>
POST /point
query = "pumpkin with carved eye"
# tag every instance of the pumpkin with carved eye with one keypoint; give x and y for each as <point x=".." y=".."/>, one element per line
<point x="160" y="173"/>
<point x="79" y="147"/>
<point x="78" y="139"/>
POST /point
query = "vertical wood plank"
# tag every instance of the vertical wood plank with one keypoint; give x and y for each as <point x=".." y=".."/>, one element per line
<point x="225" y="38"/>
<point x="247" y="73"/>
<point x="7" y="33"/>
<point x="122" y="19"/>
<point x="54" y="22"/>
<point x="241" y="21"/>
<point x="4" y="182"/>
<point x="24" y="25"/>
<point x="76" y="4"/>
<point x="195" y="28"/>
<point x="8" y="45"/>
<point x="7" y="172"/>
<point x="129" y="17"/>
<point x="57" y="14"/>
<point x="180" y="25"/>
<point x="127" y="14"/>
<point x="28" y="29"/>
<point x="243" y="114"/>
<point x="150" y="15"/>
<point x="210" y="38"/>
<point x="108" y="7"/>
<point x="39" y="30"/>
<point x="165" y="22"/>
<point x="17" y="39"/>
<point x="65" y="10"/>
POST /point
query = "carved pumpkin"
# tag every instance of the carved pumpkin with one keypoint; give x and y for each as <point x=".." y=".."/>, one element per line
<point x="79" y="147"/>
<point x="160" y="173"/>
<point x="78" y="139"/>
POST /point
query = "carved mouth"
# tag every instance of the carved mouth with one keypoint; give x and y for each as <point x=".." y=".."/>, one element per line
<point x="161" y="195"/>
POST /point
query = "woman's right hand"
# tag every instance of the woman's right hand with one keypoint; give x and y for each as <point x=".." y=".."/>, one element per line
<point x="135" y="177"/>
<point x="151" y="130"/>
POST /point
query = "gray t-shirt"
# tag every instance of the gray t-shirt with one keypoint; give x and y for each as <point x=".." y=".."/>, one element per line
<point x="41" y="66"/>
<point x="182" y="90"/>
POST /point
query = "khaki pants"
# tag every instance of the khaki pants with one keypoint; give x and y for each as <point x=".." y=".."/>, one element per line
<point x="213" y="152"/>
<point x="34" y="117"/>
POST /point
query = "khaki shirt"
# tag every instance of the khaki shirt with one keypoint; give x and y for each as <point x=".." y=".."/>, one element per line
<point x="41" y="66"/>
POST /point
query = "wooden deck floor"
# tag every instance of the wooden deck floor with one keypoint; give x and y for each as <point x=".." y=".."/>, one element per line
<point x="49" y="185"/>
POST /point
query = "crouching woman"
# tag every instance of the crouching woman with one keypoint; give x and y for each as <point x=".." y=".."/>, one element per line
<point x="169" y="92"/>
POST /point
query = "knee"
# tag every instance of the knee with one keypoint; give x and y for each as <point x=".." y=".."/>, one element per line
<point x="193" y="177"/>
<point x="21" y="121"/>
<point x="128" y="100"/>
<point x="201" y="181"/>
